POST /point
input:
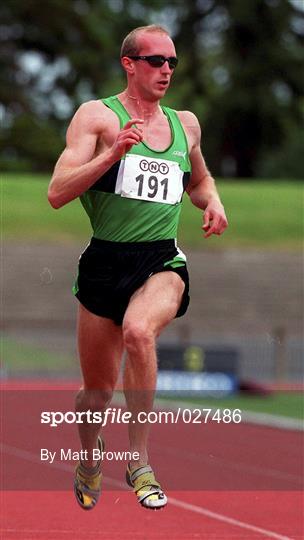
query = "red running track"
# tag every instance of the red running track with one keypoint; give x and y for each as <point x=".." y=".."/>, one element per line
<point x="224" y="481"/>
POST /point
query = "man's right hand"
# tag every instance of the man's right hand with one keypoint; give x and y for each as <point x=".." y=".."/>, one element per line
<point x="79" y="166"/>
<point x="128" y="135"/>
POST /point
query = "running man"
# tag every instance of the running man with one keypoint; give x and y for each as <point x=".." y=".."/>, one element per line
<point x="129" y="159"/>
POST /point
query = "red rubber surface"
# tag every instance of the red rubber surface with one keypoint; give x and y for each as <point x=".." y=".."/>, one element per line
<point x="224" y="482"/>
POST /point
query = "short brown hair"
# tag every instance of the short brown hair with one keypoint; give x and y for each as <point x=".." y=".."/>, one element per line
<point x="130" y="46"/>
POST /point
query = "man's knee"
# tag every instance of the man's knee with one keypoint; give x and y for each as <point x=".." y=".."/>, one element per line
<point x="94" y="400"/>
<point x="138" y="337"/>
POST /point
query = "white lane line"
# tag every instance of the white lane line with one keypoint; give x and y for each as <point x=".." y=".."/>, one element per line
<point x="273" y="420"/>
<point x="30" y="456"/>
<point x="239" y="466"/>
<point x="221" y="517"/>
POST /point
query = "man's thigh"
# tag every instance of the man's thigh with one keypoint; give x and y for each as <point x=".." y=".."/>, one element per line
<point x="156" y="303"/>
<point x="100" y="347"/>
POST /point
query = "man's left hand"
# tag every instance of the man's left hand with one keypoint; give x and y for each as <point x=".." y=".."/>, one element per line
<point x="215" y="220"/>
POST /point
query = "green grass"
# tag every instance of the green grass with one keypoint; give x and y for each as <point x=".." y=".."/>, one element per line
<point x="266" y="215"/>
<point x="27" y="214"/>
<point x="260" y="214"/>
<point x="20" y="357"/>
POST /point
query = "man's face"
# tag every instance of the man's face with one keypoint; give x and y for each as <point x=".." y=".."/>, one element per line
<point x="153" y="82"/>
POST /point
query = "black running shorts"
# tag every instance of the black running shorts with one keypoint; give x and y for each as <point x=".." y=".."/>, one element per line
<point x="110" y="272"/>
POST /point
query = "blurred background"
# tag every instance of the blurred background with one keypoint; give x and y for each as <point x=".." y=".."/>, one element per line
<point x="241" y="72"/>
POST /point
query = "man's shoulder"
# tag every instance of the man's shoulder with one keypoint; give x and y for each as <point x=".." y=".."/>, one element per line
<point x="191" y="125"/>
<point x="91" y="107"/>
<point x="188" y="117"/>
<point x="93" y="115"/>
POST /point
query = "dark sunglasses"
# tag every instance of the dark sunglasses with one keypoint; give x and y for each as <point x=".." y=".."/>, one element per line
<point x="157" y="60"/>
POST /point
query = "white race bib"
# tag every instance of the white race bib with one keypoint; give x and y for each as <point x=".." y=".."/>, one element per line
<point x="150" y="179"/>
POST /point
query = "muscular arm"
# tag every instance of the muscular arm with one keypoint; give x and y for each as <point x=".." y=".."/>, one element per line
<point x="202" y="189"/>
<point x="78" y="167"/>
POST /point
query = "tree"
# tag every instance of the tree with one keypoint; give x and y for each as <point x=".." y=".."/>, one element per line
<point x="53" y="57"/>
<point x="261" y="99"/>
<point x="240" y="71"/>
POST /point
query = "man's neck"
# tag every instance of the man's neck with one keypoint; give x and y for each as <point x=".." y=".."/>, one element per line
<point x="137" y="106"/>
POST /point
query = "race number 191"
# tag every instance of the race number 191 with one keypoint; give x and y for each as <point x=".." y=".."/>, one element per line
<point x="153" y="186"/>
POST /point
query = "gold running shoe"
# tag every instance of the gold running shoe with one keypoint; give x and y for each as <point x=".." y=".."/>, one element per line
<point x="147" y="489"/>
<point x="87" y="485"/>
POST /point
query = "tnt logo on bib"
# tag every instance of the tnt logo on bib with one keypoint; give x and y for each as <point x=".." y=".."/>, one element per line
<point x="150" y="179"/>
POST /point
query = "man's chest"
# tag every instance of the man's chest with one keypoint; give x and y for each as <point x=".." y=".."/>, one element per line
<point x="157" y="135"/>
